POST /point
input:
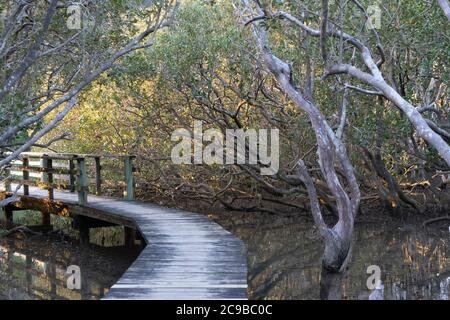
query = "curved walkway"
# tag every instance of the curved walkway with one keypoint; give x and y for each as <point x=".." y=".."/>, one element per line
<point x="187" y="255"/>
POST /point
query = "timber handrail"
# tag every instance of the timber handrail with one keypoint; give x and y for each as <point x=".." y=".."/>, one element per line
<point x="74" y="173"/>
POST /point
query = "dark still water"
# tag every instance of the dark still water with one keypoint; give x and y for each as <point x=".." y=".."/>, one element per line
<point x="36" y="267"/>
<point x="284" y="258"/>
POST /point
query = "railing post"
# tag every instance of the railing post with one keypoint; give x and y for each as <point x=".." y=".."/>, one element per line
<point x="82" y="183"/>
<point x="72" y="176"/>
<point x="50" y="178"/>
<point x="98" y="177"/>
<point x="25" y="176"/>
<point x="129" y="179"/>
<point x="47" y="176"/>
<point x="43" y="165"/>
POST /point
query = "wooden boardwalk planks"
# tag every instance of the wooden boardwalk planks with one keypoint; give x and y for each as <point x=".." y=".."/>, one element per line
<point x="187" y="257"/>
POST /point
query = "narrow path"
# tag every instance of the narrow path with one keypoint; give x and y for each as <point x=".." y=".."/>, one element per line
<point x="188" y="256"/>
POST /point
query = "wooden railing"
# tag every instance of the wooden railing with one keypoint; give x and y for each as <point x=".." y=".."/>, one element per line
<point x="67" y="171"/>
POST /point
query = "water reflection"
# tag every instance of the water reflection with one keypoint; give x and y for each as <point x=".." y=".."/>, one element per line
<point x="285" y="253"/>
<point x="378" y="293"/>
<point x="331" y="285"/>
<point x="33" y="276"/>
<point x="35" y="267"/>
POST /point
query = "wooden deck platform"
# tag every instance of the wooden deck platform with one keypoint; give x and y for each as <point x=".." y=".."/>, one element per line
<point x="187" y="255"/>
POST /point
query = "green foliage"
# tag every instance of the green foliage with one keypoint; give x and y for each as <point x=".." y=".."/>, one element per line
<point x="205" y="66"/>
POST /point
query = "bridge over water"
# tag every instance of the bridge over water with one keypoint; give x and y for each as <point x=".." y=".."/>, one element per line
<point x="187" y="256"/>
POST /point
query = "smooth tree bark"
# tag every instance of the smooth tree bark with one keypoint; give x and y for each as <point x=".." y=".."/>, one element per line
<point x="445" y="7"/>
<point x="373" y="78"/>
<point x="27" y="45"/>
<point x="330" y="151"/>
<point x="41" y="133"/>
<point x="330" y="148"/>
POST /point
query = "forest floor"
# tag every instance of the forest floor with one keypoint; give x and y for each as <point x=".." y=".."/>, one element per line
<point x="370" y="211"/>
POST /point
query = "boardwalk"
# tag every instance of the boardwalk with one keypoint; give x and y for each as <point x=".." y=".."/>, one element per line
<point x="187" y="256"/>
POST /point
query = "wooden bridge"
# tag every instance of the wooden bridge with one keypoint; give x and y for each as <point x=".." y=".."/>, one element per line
<point x="186" y="256"/>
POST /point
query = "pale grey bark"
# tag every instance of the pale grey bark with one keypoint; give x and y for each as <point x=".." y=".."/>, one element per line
<point x="32" y="55"/>
<point x="13" y="198"/>
<point x="56" y="96"/>
<point x="330" y="150"/>
<point x="343" y="117"/>
<point x="375" y="79"/>
<point x="47" y="128"/>
<point x="416" y="119"/>
<point x="445" y="7"/>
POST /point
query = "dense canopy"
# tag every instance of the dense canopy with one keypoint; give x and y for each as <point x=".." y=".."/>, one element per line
<point x="357" y="89"/>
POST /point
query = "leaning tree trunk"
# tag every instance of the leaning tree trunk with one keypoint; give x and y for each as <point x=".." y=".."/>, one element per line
<point x="330" y="285"/>
<point x="330" y="151"/>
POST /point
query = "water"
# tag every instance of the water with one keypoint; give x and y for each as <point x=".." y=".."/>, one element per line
<point x="284" y="259"/>
<point x="35" y="267"/>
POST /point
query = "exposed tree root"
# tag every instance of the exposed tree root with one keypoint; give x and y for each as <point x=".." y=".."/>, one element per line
<point x="393" y="193"/>
<point x="429" y="221"/>
<point x="22" y="230"/>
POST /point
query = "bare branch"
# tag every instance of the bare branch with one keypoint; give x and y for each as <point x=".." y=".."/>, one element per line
<point x="41" y="133"/>
<point x="313" y="198"/>
<point x="445" y="6"/>
<point x="365" y="91"/>
<point x="324" y="31"/>
<point x="343" y="118"/>
<point x="13" y="198"/>
<point x="32" y="55"/>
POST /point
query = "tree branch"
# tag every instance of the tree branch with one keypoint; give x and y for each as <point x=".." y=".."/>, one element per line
<point x="41" y="133"/>
<point x="445" y="6"/>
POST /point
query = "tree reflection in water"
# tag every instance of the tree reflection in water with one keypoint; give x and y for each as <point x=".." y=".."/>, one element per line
<point x="284" y="260"/>
<point x="36" y="267"/>
<point x="331" y="285"/>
